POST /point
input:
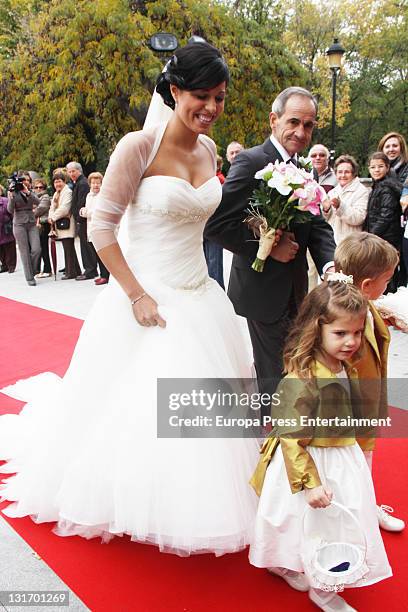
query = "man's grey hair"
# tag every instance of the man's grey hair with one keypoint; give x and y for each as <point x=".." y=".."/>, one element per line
<point x="325" y="149"/>
<point x="280" y="101"/>
<point x="76" y="166"/>
<point x="235" y="142"/>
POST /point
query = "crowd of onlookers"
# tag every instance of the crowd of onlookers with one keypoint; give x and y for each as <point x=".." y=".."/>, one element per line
<point x="380" y="209"/>
<point x="379" y="206"/>
<point x="32" y="219"/>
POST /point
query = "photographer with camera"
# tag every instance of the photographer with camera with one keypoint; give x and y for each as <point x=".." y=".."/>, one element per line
<point x="21" y="203"/>
<point x="8" y="254"/>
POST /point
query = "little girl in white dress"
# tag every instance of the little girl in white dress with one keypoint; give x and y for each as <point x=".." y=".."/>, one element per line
<point x="310" y="465"/>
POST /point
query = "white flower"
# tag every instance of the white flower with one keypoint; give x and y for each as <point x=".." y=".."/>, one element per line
<point x="268" y="169"/>
<point x="285" y="177"/>
<point x="306" y="162"/>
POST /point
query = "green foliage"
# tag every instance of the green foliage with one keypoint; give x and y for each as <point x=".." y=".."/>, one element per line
<point x="84" y="77"/>
<point x="74" y="77"/>
<point x="372" y="93"/>
<point x="310" y="30"/>
<point x="378" y="65"/>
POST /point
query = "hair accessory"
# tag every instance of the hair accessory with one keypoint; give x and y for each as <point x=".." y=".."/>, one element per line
<point x="174" y="60"/>
<point x="339" y="277"/>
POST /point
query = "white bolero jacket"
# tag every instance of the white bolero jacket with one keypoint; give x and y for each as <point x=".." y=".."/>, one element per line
<point x="128" y="163"/>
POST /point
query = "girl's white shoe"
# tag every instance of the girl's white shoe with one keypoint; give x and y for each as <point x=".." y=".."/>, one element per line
<point x="329" y="602"/>
<point x="297" y="580"/>
<point x="388" y="522"/>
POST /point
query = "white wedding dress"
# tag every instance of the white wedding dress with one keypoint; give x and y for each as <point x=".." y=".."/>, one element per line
<point x="85" y="448"/>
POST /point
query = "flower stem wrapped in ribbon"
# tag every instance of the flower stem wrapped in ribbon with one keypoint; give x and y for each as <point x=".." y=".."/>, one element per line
<point x="271" y="205"/>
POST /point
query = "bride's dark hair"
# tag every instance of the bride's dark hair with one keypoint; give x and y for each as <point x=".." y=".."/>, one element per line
<point x="198" y="65"/>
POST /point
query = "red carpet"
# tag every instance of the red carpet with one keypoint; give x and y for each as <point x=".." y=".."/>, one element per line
<point x="125" y="576"/>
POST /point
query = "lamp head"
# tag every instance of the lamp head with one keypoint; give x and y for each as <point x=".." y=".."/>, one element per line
<point x="335" y="53"/>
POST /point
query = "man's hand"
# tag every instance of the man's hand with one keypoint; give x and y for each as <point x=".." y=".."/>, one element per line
<point x="287" y="248"/>
<point x="327" y="272"/>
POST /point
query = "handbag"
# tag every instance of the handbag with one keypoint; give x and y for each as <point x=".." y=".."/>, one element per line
<point x="63" y="223"/>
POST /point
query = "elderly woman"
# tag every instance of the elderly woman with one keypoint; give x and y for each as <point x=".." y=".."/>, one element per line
<point x="8" y="254"/>
<point x="395" y="148"/>
<point x="41" y="214"/>
<point x="346" y="208"/>
<point x="63" y="223"/>
<point x="21" y="204"/>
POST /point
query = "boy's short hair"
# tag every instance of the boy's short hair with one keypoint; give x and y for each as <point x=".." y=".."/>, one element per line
<point x="364" y="255"/>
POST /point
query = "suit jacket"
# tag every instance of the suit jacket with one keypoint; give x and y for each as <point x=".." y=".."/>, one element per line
<point x="372" y="372"/>
<point x="79" y="193"/>
<point x="263" y="296"/>
<point x="21" y="207"/>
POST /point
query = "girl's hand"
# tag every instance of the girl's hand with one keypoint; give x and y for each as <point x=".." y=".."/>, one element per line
<point x="318" y="497"/>
<point x="146" y="313"/>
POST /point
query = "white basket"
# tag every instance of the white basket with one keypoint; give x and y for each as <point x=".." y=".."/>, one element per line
<point x="320" y="555"/>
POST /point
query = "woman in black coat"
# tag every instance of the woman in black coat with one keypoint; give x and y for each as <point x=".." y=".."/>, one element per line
<point x="384" y="208"/>
<point x="395" y="148"/>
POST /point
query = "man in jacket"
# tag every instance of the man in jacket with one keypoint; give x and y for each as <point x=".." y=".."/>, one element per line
<point x="79" y="193"/>
<point x="323" y="174"/>
<point x="269" y="299"/>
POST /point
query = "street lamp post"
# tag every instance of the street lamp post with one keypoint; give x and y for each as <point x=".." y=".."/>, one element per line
<point x="163" y="41"/>
<point x="334" y="53"/>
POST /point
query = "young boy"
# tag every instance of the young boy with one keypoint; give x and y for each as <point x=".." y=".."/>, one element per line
<point x="371" y="261"/>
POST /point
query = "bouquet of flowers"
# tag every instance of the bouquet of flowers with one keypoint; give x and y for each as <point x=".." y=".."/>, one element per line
<point x="286" y="195"/>
<point x="394" y="307"/>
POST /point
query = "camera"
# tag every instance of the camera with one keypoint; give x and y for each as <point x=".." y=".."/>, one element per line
<point x="15" y="182"/>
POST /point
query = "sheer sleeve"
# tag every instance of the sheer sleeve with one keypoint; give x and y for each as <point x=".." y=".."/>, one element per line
<point x="212" y="148"/>
<point x="123" y="175"/>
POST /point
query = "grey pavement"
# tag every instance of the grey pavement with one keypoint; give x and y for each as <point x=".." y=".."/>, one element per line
<point x="21" y="569"/>
<point x="68" y="297"/>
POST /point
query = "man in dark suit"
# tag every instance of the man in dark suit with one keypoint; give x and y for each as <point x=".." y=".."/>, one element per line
<point x="269" y="299"/>
<point x="79" y="193"/>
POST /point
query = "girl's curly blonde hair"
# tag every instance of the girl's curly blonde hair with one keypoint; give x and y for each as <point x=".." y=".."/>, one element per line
<point x="321" y="306"/>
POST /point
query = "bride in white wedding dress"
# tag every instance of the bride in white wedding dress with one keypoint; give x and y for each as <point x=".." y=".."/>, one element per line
<point x="84" y="450"/>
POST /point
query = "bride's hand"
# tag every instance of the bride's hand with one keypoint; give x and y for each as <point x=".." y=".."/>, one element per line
<point x="146" y="312"/>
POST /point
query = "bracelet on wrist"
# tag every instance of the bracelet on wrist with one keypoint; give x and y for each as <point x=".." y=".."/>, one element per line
<point x="133" y="302"/>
